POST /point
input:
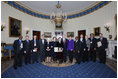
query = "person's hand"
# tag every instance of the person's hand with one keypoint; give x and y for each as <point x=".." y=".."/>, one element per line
<point x="88" y="49"/>
<point x="94" y="48"/>
<point x="71" y="49"/>
<point x="51" y="46"/>
<point x="84" y="49"/>
<point x="24" y="51"/>
<point x="35" y="48"/>
<point x="78" y="51"/>
<point x="106" y="49"/>
<point x="48" y="49"/>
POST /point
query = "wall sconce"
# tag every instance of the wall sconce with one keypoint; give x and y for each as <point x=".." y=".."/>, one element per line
<point x="107" y="28"/>
<point x="27" y="31"/>
<point x="2" y="27"/>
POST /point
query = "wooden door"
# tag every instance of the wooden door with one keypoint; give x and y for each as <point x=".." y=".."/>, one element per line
<point x="37" y="33"/>
<point x="81" y="32"/>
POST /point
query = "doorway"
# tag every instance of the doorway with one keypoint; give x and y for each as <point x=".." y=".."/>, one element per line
<point x="37" y="33"/>
<point x="81" y="32"/>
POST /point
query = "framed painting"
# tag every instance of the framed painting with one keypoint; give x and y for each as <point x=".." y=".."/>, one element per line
<point x="15" y="27"/>
<point x="70" y="33"/>
<point x="47" y="34"/>
<point x="97" y="31"/>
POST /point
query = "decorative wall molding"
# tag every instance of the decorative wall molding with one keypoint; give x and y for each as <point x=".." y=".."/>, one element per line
<point x="23" y="9"/>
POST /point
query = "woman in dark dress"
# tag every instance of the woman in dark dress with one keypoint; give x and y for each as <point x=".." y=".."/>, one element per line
<point x="48" y="50"/>
<point x="54" y="54"/>
<point x="60" y="53"/>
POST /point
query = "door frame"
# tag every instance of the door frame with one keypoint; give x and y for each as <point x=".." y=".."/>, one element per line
<point x="81" y="30"/>
<point x="34" y="30"/>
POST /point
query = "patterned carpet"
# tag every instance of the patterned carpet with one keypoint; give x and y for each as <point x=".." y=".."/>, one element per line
<point x="84" y="70"/>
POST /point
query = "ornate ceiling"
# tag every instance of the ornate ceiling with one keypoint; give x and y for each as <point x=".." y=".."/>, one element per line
<point x="47" y="7"/>
<point x="43" y="9"/>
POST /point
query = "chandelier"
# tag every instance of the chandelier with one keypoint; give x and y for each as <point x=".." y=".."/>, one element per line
<point x="58" y="17"/>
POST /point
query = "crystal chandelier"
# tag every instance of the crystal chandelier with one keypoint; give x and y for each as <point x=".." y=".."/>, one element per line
<point x="58" y="17"/>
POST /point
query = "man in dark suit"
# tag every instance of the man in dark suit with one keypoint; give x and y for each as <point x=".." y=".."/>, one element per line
<point x="82" y="47"/>
<point x="42" y="42"/>
<point x="102" y="48"/>
<point x="27" y="50"/>
<point x="65" y="43"/>
<point x="34" y="47"/>
<point x="18" y="52"/>
<point x="93" y="46"/>
<point x="76" y="50"/>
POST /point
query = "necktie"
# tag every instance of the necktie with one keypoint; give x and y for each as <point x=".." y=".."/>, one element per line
<point x="101" y="39"/>
<point x="28" y="41"/>
<point x="76" y="41"/>
<point x="81" y="39"/>
<point x="20" y="42"/>
<point x="35" y="41"/>
<point x="64" y="41"/>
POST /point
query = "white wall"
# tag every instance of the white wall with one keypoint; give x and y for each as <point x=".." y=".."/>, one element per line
<point x="95" y="19"/>
<point x="28" y="21"/>
<point x="99" y="18"/>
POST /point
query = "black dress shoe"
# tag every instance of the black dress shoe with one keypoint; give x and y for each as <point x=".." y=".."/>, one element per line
<point x="64" y="61"/>
<point x="15" y="68"/>
<point x="20" y="65"/>
<point x="94" y="61"/>
<point x="100" y="62"/>
<point x="103" y="62"/>
<point x="26" y="63"/>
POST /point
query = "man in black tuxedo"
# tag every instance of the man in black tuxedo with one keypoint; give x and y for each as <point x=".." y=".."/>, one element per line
<point x="76" y="50"/>
<point x="34" y="47"/>
<point x="65" y="43"/>
<point x="27" y="50"/>
<point x="18" y="52"/>
<point x="93" y="46"/>
<point x="42" y="42"/>
<point x="82" y="47"/>
<point x="102" y="48"/>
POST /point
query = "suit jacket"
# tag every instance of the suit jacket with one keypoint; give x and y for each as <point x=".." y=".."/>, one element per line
<point x="88" y="44"/>
<point x="60" y="44"/>
<point x="93" y="43"/>
<point x="32" y="44"/>
<point x="76" y="45"/>
<point x="82" y="45"/>
<point x="104" y="43"/>
<point x="65" y="44"/>
<point x="48" y="45"/>
<point x="54" y="44"/>
<point x="16" y="46"/>
<point x="27" y="46"/>
<point x="41" y="45"/>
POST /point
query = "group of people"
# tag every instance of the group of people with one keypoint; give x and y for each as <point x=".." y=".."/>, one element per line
<point x="82" y="49"/>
